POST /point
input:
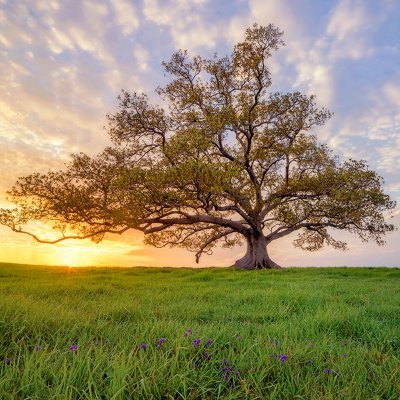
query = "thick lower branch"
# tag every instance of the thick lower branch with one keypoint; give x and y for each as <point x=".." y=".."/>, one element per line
<point x="162" y="224"/>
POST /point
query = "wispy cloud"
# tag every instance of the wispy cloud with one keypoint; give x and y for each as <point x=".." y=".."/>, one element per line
<point x="185" y="21"/>
<point x="126" y="15"/>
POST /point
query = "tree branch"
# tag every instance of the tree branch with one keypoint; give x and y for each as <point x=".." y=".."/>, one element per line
<point x="88" y="236"/>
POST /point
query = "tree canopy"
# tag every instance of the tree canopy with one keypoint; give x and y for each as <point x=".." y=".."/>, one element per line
<point x="221" y="160"/>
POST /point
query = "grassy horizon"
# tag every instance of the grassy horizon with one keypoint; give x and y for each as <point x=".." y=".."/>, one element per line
<point x="311" y="333"/>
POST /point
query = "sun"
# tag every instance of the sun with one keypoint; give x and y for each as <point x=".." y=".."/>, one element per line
<point x="75" y="254"/>
<point x="85" y="253"/>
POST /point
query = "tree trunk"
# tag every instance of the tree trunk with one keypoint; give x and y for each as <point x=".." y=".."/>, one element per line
<point x="256" y="256"/>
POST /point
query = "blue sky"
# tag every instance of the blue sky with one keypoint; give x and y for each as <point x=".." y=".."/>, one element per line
<point x="64" y="62"/>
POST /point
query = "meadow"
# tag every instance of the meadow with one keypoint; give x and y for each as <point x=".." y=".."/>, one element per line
<point x="153" y="333"/>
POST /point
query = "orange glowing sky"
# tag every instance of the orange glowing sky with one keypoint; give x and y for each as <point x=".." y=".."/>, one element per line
<point x="64" y="63"/>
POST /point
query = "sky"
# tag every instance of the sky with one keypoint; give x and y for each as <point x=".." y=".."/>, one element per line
<point x="63" y="63"/>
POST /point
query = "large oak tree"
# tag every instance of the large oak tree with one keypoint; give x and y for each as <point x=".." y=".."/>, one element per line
<point x="222" y="160"/>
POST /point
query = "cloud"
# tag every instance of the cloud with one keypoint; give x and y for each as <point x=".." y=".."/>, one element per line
<point x="142" y="56"/>
<point x="349" y="27"/>
<point x="305" y="53"/>
<point x="186" y="21"/>
<point x="126" y="16"/>
<point x="383" y="122"/>
<point x="348" y="18"/>
<point x="4" y="41"/>
<point x="47" y="5"/>
<point x="392" y="92"/>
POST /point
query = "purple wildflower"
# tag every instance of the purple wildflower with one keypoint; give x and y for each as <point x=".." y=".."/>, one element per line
<point x="282" y="357"/>
<point x="187" y="332"/>
<point x="271" y="356"/>
<point x="143" y="346"/>
<point x="328" y="371"/>
<point x="161" y="342"/>
<point x="208" y="342"/>
<point x="37" y="349"/>
<point x="239" y="338"/>
<point x="7" y="361"/>
<point x="271" y="340"/>
<point x="344" y="355"/>
<point x="73" y="347"/>
<point x="312" y="345"/>
<point x="196" y="342"/>
<point x="228" y="372"/>
<point x="206" y="355"/>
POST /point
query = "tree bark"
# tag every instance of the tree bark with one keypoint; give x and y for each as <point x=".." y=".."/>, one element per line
<point x="256" y="256"/>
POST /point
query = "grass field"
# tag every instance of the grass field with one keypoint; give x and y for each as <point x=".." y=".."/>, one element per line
<point x="91" y="333"/>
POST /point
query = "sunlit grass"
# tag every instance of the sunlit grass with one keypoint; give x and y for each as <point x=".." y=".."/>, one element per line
<point x="336" y="330"/>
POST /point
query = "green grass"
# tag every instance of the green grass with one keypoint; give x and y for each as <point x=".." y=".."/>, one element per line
<point x="344" y="319"/>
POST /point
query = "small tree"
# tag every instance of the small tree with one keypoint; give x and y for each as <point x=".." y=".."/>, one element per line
<point x="224" y="161"/>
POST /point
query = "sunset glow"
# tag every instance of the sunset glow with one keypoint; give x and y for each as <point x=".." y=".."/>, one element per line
<point x="64" y="63"/>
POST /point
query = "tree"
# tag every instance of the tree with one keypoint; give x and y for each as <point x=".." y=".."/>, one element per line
<point x="224" y="161"/>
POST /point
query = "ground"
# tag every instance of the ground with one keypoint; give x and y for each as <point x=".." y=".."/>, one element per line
<point x="314" y="333"/>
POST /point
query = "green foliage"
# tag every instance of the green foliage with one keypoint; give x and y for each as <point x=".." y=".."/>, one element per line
<point x="308" y="314"/>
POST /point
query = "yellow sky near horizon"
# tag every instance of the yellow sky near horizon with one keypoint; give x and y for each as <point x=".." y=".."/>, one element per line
<point x="114" y="251"/>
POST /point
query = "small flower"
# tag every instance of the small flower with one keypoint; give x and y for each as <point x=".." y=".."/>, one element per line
<point x="239" y="338"/>
<point x="143" y="346"/>
<point x="312" y="345"/>
<point x="345" y="343"/>
<point x="161" y="342"/>
<point x="188" y="331"/>
<point x="328" y="371"/>
<point x="225" y="362"/>
<point x="208" y="342"/>
<point x="344" y="355"/>
<point x="73" y="347"/>
<point x="271" y="340"/>
<point x="207" y="355"/>
<point x="196" y="342"/>
<point x="282" y="357"/>
<point x="7" y="361"/>
<point x="271" y="356"/>
<point x="37" y="349"/>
